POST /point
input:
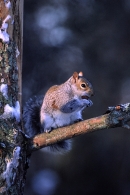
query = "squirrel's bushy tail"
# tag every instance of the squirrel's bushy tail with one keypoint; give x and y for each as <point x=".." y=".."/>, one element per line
<point x="31" y="116"/>
<point x="32" y="127"/>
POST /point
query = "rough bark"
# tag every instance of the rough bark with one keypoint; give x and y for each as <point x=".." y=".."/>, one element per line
<point x="13" y="159"/>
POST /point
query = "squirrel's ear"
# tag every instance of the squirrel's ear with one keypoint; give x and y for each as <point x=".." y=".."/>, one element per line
<point x="75" y="76"/>
<point x="80" y="74"/>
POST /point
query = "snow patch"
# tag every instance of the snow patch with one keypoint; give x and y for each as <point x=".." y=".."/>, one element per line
<point x="13" y="112"/>
<point x="4" y="90"/>
<point x="3" y="34"/>
<point x="7" y="4"/>
<point x="17" y="52"/>
<point x="11" y="164"/>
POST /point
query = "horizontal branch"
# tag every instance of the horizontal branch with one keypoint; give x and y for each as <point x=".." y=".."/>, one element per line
<point x="115" y="117"/>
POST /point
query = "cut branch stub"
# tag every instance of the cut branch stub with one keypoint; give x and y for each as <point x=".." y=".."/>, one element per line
<point x="117" y="116"/>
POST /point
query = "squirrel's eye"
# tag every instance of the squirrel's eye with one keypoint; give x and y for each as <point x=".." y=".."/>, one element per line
<point x="83" y="85"/>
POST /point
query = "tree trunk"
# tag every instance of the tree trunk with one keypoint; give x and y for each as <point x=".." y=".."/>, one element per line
<point x="13" y="159"/>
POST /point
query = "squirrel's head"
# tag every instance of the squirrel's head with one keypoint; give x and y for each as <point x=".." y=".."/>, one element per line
<point x="81" y="85"/>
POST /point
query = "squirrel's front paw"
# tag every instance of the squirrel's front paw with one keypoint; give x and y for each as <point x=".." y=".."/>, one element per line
<point x="87" y="103"/>
<point x="48" y="130"/>
<point x="90" y="103"/>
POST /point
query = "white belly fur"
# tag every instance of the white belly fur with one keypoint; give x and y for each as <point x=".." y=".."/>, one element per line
<point x="59" y="119"/>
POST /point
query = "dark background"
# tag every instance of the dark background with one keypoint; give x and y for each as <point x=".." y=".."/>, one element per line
<point x="93" y="36"/>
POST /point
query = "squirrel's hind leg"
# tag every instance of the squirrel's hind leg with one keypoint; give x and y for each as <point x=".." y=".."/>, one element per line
<point x="47" y="123"/>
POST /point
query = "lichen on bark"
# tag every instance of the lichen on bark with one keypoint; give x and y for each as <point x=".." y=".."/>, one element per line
<point x="12" y="140"/>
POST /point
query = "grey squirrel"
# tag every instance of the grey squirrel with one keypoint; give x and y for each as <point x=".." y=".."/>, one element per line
<point x="62" y="105"/>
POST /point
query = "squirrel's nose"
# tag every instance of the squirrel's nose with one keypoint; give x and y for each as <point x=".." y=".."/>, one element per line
<point x="91" y="92"/>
